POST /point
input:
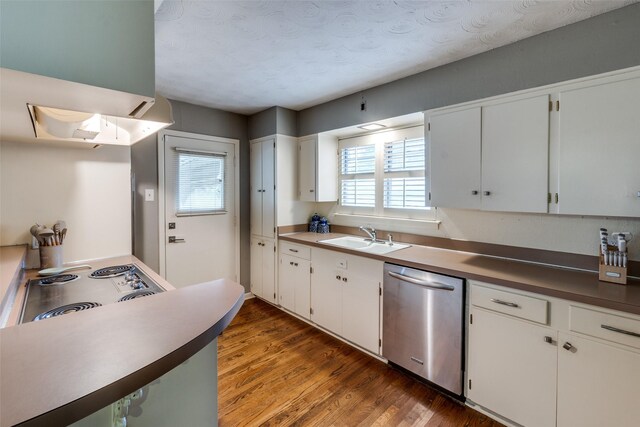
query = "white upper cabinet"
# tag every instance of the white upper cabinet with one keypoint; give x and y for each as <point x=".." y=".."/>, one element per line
<point x="318" y="168"/>
<point x="454" y="142"/>
<point x="493" y="157"/>
<point x="568" y="148"/>
<point x="263" y="188"/>
<point x="599" y="150"/>
<point x="515" y="155"/>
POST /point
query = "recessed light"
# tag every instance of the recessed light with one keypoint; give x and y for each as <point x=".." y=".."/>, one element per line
<point x="372" y="126"/>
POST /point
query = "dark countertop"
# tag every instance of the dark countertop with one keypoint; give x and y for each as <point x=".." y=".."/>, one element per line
<point x="573" y="285"/>
<point x="60" y="370"/>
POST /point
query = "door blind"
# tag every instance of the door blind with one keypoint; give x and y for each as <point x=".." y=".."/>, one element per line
<point x="201" y="184"/>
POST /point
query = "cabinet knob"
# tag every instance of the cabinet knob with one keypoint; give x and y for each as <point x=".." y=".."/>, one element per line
<point x="295" y="264"/>
<point x="311" y="191"/>
<point x="344" y="279"/>
<point x="474" y="192"/>
<point x="486" y="193"/>
<point x="338" y="277"/>
<point x="290" y="262"/>
<point x="548" y="340"/>
<point x="569" y="347"/>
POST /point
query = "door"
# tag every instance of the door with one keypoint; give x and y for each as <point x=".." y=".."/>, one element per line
<point x="256" y="188"/>
<point x="256" y="265"/>
<point x="288" y="273"/>
<point x="199" y="186"/>
<point x="268" y="271"/>
<point x="512" y="369"/>
<point x="597" y="384"/>
<point x="361" y="310"/>
<point x="269" y="188"/>
<point x="326" y="290"/>
<point x="302" y="288"/>
<point x="454" y="141"/>
<point x="515" y="155"/>
<point x="307" y="169"/>
<point x="599" y="150"/>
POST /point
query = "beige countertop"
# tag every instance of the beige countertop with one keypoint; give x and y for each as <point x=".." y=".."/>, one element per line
<point x="580" y="286"/>
<point x="11" y="263"/>
<point x="60" y="370"/>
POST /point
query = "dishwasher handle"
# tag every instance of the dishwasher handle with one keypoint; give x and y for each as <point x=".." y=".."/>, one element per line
<point x="425" y="283"/>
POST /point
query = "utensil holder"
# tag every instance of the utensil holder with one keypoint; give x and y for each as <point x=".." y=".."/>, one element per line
<point x="51" y="256"/>
<point x="611" y="273"/>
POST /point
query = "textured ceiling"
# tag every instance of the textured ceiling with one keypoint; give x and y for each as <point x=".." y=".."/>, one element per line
<point x="245" y="56"/>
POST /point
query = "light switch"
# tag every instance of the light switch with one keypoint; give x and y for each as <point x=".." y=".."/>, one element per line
<point x="149" y="195"/>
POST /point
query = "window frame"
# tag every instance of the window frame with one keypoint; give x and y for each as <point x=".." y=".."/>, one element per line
<point x="379" y="139"/>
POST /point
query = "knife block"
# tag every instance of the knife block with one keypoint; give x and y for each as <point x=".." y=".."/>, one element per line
<point x="611" y="273"/>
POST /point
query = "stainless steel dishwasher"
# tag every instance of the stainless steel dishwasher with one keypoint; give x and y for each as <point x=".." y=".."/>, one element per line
<point x="422" y="329"/>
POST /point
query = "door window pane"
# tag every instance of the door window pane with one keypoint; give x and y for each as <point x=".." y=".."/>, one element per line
<point x="201" y="183"/>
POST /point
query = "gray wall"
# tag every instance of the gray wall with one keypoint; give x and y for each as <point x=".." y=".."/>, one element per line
<point x="274" y="120"/>
<point x="144" y="163"/>
<point x="604" y="43"/>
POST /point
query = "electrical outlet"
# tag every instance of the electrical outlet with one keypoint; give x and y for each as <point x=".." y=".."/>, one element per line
<point x="149" y="195"/>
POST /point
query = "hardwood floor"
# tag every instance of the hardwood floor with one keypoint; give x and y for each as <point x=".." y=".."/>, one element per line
<point x="277" y="370"/>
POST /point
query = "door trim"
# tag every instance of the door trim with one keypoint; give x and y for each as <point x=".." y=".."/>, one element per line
<point x="162" y="230"/>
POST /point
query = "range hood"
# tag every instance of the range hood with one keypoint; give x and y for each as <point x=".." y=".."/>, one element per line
<point x="40" y="109"/>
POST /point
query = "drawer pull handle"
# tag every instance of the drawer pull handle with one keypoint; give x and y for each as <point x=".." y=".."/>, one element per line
<point x="293" y="250"/>
<point x="507" y="303"/>
<point x="620" y="331"/>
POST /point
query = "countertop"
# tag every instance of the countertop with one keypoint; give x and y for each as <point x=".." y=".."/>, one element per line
<point x="60" y="370"/>
<point x="573" y="285"/>
<point x="11" y="262"/>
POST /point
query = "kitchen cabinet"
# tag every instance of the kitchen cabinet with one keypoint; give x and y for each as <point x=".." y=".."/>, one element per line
<point x="597" y="384"/>
<point x="345" y="296"/>
<point x="541" y="361"/>
<point x="492" y="157"/>
<point x="318" y="168"/>
<point x="512" y="367"/>
<point x="263" y="188"/>
<point x="263" y="264"/>
<point x="599" y="148"/>
<point x="294" y="279"/>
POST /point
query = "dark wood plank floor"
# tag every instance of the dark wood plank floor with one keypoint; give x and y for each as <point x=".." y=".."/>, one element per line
<point x="277" y="370"/>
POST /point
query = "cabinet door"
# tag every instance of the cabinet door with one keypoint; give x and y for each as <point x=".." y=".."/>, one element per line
<point x="361" y="311"/>
<point x="511" y="369"/>
<point x="307" y="169"/>
<point x="599" y="135"/>
<point x="256" y="188"/>
<point x="326" y="289"/>
<point x="597" y="384"/>
<point x="302" y="285"/>
<point x="515" y="155"/>
<point x="286" y="285"/>
<point x="268" y="188"/>
<point x="269" y="270"/>
<point x="454" y="142"/>
<point x="256" y="266"/>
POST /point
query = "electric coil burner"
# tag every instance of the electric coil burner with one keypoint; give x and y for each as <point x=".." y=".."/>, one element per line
<point x="67" y="293"/>
<point x="69" y="308"/>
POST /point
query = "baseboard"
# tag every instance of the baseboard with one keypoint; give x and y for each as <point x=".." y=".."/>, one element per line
<point x="248" y="295"/>
<point x="507" y="422"/>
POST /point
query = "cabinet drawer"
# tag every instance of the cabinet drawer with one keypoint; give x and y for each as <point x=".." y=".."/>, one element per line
<point x="292" y="249"/>
<point x="522" y="306"/>
<point x="610" y="327"/>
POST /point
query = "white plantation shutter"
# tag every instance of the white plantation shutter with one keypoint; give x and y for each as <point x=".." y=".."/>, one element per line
<point x="201" y="182"/>
<point x="404" y="177"/>
<point x="383" y="174"/>
<point x="357" y="179"/>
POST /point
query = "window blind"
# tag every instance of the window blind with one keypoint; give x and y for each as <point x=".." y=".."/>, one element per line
<point x="404" y="178"/>
<point x="201" y="182"/>
<point x="357" y="182"/>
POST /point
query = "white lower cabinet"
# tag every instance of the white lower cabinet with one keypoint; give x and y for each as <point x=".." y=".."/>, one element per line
<point x="541" y="361"/>
<point x="345" y="296"/>
<point x="512" y="368"/>
<point x="263" y="263"/>
<point x="598" y="384"/>
<point x="295" y="284"/>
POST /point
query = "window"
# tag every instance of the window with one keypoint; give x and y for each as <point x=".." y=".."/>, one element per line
<point x="383" y="174"/>
<point x="201" y="183"/>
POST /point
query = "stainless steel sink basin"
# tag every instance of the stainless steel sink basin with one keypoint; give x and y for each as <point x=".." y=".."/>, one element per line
<point x="360" y="244"/>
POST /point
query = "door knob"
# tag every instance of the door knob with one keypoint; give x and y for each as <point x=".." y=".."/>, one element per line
<point x="174" y="239"/>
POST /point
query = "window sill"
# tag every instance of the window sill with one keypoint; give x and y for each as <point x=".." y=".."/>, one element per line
<point x="404" y="225"/>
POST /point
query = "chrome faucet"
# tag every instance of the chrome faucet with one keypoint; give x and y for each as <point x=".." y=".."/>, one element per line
<point x="371" y="232"/>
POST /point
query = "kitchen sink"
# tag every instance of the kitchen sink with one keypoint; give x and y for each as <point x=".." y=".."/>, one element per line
<point x="364" y="245"/>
